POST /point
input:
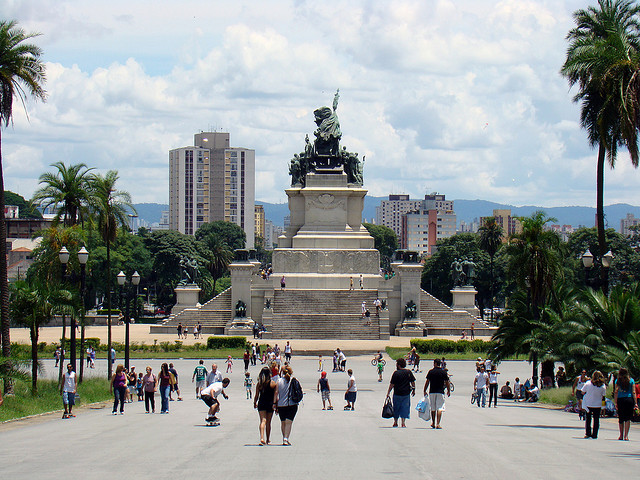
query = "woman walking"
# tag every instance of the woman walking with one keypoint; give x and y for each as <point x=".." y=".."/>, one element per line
<point x="493" y="386"/>
<point x="165" y="379"/>
<point x="150" y="387"/>
<point x="264" y="401"/>
<point x="285" y="406"/>
<point x="119" y="387"/>
<point x="403" y="384"/>
<point x="626" y="402"/>
<point x="594" y="391"/>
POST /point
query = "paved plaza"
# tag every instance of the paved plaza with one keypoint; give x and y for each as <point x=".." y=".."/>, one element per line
<point x="511" y="441"/>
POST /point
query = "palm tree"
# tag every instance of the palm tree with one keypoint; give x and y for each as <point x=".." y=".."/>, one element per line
<point x="21" y="73"/>
<point x="67" y="190"/>
<point x="603" y="58"/>
<point x="218" y="256"/>
<point x="534" y="264"/>
<point x="111" y="208"/>
<point x="34" y="305"/>
<point x="490" y="242"/>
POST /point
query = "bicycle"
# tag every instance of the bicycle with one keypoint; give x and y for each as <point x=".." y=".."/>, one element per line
<point x="451" y="385"/>
<point x="474" y="398"/>
<point x="375" y="361"/>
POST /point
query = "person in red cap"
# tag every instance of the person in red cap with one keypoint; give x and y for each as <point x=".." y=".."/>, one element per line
<point x="325" y="390"/>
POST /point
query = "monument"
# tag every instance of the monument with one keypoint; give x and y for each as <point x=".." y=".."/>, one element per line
<point x="187" y="290"/>
<point x="464" y="293"/>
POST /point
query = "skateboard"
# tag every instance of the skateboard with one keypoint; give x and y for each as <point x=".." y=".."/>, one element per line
<point x="212" y="423"/>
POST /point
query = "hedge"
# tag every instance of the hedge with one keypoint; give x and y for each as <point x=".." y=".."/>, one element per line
<point x="226" y="342"/>
<point x="451" y="346"/>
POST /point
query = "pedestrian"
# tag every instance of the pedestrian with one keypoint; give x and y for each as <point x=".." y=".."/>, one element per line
<point x="380" y="367"/>
<point x="342" y="360"/>
<point x="93" y="357"/>
<point x="351" y="393"/>
<point x="282" y="283"/>
<point x="248" y="382"/>
<point x="210" y="397"/>
<point x="473" y="330"/>
<point x="179" y="328"/>
<point x="335" y="360"/>
<point x="68" y="391"/>
<point x="199" y="330"/>
<point x="377" y="303"/>
<point x="361" y="282"/>
<point x="493" y="386"/>
<point x="254" y="355"/>
<point x="437" y="380"/>
<point x="480" y="384"/>
<point x="350" y="284"/>
<point x="576" y="390"/>
<point x="287" y="352"/>
<point x="229" y="364"/>
<point x="325" y="390"/>
<point x="246" y="358"/>
<point x="286" y="406"/>
<point x="403" y="384"/>
<point x="363" y="309"/>
<point x="174" y="386"/>
<point x="88" y="352"/>
<point x="214" y="375"/>
<point x="165" y="381"/>
<point x="200" y="376"/>
<point x="517" y="390"/>
<point x="367" y="315"/>
<point x="132" y="380"/>
<point x="113" y="356"/>
<point x="416" y="361"/>
<point x="57" y="355"/>
<point x="139" y="390"/>
<point x="320" y="363"/>
<point x="264" y="401"/>
<point x="118" y="386"/>
<point x="626" y="402"/>
<point x="594" y="391"/>
<point x="150" y="386"/>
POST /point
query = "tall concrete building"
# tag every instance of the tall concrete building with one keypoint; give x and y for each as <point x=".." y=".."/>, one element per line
<point x="389" y="212"/>
<point x="212" y="181"/>
<point x="433" y="221"/>
<point x="510" y="225"/>
<point x="629" y="221"/>
<point x="260" y="221"/>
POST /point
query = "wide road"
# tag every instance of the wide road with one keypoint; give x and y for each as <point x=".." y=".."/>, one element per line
<point x="512" y="441"/>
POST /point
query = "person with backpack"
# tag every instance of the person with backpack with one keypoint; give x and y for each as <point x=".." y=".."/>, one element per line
<point x="288" y="396"/>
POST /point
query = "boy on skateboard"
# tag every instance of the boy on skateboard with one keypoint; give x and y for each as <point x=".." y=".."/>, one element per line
<point x="209" y="396"/>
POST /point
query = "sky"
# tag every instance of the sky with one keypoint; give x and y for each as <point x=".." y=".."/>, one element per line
<point x="458" y="97"/>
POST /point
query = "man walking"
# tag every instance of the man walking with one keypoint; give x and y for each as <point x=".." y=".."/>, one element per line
<point x="287" y="352"/>
<point x="68" y="391"/>
<point x="481" y="383"/>
<point x="214" y="375"/>
<point x="437" y="380"/>
<point x="200" y="376"/>
<point x="175" y="386"/>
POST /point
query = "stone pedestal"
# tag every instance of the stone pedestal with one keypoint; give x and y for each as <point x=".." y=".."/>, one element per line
<point x="409" y="277"/>
<point x="241" y="274"/>
<point x="186" y="297"/>
<point x="464" y="299"/>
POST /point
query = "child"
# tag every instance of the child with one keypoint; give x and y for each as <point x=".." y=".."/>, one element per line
<point x="139" y="387"/>
<point x="380" y="368"/>
<point x="517" y="390"/>
<point x="229" y="364"/>
<point x="325" y="390"/>
<point x="247" y="383"/>
<point x="416" y="362"/>
<point x="320" y="363"/>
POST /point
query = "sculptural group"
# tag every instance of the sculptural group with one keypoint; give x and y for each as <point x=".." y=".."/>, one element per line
<point x="324" y="154"/>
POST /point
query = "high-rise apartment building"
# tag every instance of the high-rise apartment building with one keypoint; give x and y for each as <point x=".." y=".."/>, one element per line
<point x="421" y="229"/>
<point x="260" y="221"/>
<point x="212" y="181"/>
<point x="389" y="212"/>
<point x="629" y="221"/>
<point x="510" y="225"/>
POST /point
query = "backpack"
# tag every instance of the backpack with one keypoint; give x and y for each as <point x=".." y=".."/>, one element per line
<point x="295" y="391"/>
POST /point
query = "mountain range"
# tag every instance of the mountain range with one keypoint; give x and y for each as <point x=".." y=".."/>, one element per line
<point x="466" y="210"/>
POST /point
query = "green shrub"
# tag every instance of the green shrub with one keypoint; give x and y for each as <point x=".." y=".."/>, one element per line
<point x="214" y="343"/>
<point x="165" y="346"/>
<point x="92" y="342"/>
<point x="444" y="346"/>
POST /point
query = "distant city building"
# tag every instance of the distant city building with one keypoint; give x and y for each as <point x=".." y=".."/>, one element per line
<point x="564" y="231"/>
<point x="212" y="181"/>
<point x="471" y="227"/>
<point x="260" y="221"/>
<point x="20" y="256"/>
<point x="11" y="211"/>
<point x="163" y="224"/>
<point x="26" y="227"/>
<point x="510" y="225"/>
<point x="271" y="234"/>
<point x="389" y="212"/>
<point x="287" y="221"/>
<point x="629" y="221"/>
<point x="434" y="220"/>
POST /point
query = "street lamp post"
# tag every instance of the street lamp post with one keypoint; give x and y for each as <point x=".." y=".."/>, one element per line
<point x="588" y="261"/>
<point x="83" y="257"/>
<point x="135" y="281"/>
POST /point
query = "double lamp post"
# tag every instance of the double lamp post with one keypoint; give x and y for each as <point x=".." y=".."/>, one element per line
<point x="135" y="281"/>
<point x="588" y="261"/>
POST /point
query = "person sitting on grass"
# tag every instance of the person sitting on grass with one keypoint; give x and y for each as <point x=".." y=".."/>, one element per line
<point x="505" y="391"/>
<point x="534" y="394"/>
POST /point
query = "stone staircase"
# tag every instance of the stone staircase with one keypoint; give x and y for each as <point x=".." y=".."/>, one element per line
<point x="437" y="315"/>
<point x="213" y="315"/>
<point x="323" y="314"/>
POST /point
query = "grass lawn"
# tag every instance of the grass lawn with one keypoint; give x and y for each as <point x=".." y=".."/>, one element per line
<point x="48" y="399"/>
<point x="397" y="352"/>
<point x="560" y="396"/>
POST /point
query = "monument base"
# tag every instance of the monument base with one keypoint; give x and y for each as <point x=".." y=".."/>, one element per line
<point x="464" y="299"/>
<point x="240" y="326"/>
<point x="186" y="297"/>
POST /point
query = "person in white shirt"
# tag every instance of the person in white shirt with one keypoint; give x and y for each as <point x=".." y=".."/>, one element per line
<point x="352" y="391"/>
<point x="209" y="396"/>
<point x="481" y="383"/>
<point x="68" y="391"/>
<point x="214" y="375"/>
<point x="342" y="360"/>
<point x="594" y="391"/>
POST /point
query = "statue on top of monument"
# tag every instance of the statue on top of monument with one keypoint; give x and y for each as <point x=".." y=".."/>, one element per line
<point x="325" y="154"/>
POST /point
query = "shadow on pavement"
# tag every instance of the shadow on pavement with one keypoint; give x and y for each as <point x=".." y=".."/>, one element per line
<point x="554" y="427"/>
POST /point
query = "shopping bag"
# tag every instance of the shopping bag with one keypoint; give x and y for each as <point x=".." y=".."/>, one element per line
<point x="423" y="405"/>
<point x="387" y="409"/>
<point x="426" y="415"/>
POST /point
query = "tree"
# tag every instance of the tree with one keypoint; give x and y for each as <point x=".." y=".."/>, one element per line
<point x="228" y="232"/>
<point x="603" y="58"/>
<point x="32" y="305"/>
<point x="490" y="242"/>
<point x="22" y="74"/>
<point x="67" y="190"/>
<point x="25" y="209"/>
<point x="111" y="207"/>
<point x="535" y="264"/>
<point x="385" y="241"/>
<point x="218" y="256"/>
